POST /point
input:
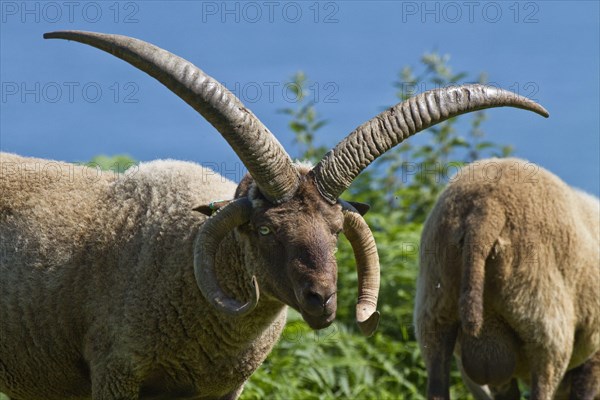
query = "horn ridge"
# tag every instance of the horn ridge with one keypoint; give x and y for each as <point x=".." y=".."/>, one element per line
<point x="207" y="242"/>
<point x="341" y="165"/>
<point x="263" y="155"/>
<point x="363" y="244"/>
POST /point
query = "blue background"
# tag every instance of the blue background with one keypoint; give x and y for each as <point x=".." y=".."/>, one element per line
<point x="352" y="52"/>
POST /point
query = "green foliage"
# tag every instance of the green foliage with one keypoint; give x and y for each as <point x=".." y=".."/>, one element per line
<point x="304" y="120"/>
<point x="401" y="187"/>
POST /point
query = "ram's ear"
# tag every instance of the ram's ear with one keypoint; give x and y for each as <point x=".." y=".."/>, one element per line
<point x="204" y="209"/>
<point x="362" y="208"/>
<point x="212" y="207"/>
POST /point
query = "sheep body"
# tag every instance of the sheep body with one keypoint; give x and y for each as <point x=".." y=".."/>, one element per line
<point x="510" y="272"/>
<point x="97" y="275"/>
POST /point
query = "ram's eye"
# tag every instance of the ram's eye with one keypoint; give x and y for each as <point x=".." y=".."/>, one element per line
<point x="264" y="230"/>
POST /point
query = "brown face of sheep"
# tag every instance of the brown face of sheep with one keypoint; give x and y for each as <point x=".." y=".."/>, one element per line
<point x="299" y="245"/>
<point x="296" y="242"/>
<point x="291" y="246"/>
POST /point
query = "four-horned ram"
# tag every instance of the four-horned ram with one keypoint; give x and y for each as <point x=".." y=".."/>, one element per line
<point x="100" y="279"/>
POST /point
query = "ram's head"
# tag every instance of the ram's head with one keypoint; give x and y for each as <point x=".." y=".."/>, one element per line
<point x="294" y="245"/>
<point x="291" y="215"/>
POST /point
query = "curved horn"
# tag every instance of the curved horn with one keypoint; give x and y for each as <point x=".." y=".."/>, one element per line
<point x="206" y="245"/>
<point x="259" y="150"/>
<point x="367" y="266"/>
<point x="338" y="168"/>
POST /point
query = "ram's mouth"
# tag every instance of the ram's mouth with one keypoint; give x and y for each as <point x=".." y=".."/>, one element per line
<point x="318" y="322"/>
<point x="317" y="310"/>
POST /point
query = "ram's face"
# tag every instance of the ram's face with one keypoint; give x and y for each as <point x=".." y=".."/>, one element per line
<point x="296" y="242"/>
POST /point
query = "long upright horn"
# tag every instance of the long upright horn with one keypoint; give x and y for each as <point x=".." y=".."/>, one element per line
<point x="259" y="150"/>
<point x="338" y="168"/>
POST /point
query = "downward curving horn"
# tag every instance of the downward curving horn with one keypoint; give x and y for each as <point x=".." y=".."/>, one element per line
<point x="363" y="244"/>
<point x="259" y="150"/>
<point x="206" y="245"/>
<point x="336" y="171"/>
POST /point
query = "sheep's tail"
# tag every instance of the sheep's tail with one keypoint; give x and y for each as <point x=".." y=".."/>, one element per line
<point x="482" y="230"/>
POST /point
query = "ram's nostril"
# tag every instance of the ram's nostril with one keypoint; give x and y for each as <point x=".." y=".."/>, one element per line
<point x="318" y="303"/>
<point x="314" y="300"/>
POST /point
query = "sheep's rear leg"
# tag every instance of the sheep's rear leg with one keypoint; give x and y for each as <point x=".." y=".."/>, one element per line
<point x="437" y="346"/>
<point x="585" y="380"/>
<point x="549" y="369"/>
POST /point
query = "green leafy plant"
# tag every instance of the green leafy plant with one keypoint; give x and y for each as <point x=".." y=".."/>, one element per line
<point x="304" y="120"/>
